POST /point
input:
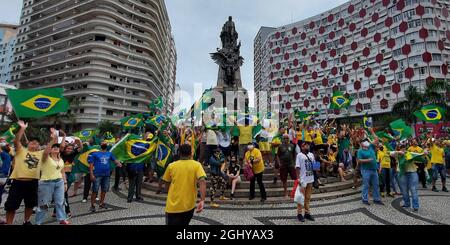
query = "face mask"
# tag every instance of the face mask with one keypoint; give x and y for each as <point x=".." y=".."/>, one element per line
<point x="3" y="144"/>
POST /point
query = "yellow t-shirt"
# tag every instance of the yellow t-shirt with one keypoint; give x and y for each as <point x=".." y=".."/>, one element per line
<point x="182" y="176"/>
<point x="256" y="154"/>
<point x="332" y="140"/>
<point x="415" y="149"/>
<point x="318" y="139"/>
<point x="437" y="154"/>
<point x="27" y="164"/>
<point x="51" y="169"/>
<point x="245" y="135"/>
<point x="299" y="135"/>
<point x="384" y="159"/>
<point x="332" y="156"/>
<point x="308" y="135"/>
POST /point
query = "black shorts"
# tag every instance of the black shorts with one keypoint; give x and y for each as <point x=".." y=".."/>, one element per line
<point x="22" y="190"/>
<point x="179" y="218"/>
<point x="285" y="171"/>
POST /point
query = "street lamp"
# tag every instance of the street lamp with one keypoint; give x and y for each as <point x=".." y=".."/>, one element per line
<point x="100" y="107"/>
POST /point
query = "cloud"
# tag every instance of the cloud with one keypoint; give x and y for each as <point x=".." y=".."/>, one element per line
<point x="197" y="25"/>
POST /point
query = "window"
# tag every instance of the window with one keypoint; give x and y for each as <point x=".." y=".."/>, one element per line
<point x="109" y="113"/>
<point x="367" y="107"/>
<point x="134" y="104"/>
<point x="99" y="38"/>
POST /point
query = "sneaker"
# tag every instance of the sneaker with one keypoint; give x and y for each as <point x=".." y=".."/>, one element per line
<point x="434" y="189"/>
<point x="97" y="199"/>
<point x="102" y="206"/>
<point x="353" y="187"/>
<point x="139" y="199"/>
<point x="64" y="222"/>
<point x="27" y="223"/>
<point x="129" y="200"/>
<point x="300" y="218"/>
<point x="383" y="194"/>
<point x="378" y="203"/>
<point x="444" y="189"/>
<point x="309" y="217"/>
<point x="390" y="195"/>
<point x="366" y="203"/>
<point x="406" y="206"/>
<point x="223" y="198"/>
<point x="263" y="200"/>
<point x="84" y="201"/>
<point x="231" y="196"/>
<point x="92" y="209"/>
<point x="416" y="210"/>
<point x="214" y="205"/>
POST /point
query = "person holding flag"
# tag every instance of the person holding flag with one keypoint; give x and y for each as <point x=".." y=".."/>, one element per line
<point x="414" y="147"/>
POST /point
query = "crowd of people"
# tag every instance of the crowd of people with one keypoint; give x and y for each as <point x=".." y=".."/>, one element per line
<point x="40" y="173"/>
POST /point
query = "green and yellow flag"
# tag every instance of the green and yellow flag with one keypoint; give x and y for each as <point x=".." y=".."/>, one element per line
<point x="132" y="149"/>
<point x="9" y="135"/>
<point x="430" y="113"/>
<point x="109" y="138"/>
<point x="37" y="103"/>
<point x="339" y="101"/>
<point x="158" y="103"/>
<point x="367" y="121"/>
<point x="132" y="122"/>
<point x="400" y="128"/>
<point x="156" y="121"/>
<point x="163" y="156"/>
<point x="86" y="134"/>
<point x="81" y="160"/>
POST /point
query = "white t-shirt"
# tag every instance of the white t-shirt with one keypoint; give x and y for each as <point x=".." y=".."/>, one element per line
<point x="305" y="164"/>
<point x="224" y="138"/>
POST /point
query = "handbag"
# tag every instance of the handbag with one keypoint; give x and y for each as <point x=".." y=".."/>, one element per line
<point x="299" y="196"/>
<point x="248" y="172"/>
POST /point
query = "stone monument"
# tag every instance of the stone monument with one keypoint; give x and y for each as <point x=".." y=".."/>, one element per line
<point x="229" y="91"/>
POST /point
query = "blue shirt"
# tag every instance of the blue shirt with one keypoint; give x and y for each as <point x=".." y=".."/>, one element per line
<point x="368" y="154"/>
<point x="102" y="163"/>
<point x="6" y="164"/>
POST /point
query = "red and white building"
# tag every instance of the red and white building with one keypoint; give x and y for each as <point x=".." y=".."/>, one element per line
<point x="372" y="50"/>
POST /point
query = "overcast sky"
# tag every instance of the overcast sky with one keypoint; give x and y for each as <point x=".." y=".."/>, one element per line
<point x="196" y="25"/>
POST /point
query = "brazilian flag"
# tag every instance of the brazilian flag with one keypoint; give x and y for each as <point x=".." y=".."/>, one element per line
<point x="339" y="101"/>
<point x="367" y="121"/>
<point x="158" y="103"/>
<point x="37" y="103"/>
<point x="81" y="160"/>
<point x="9" y="135"/>
<point x="156" y="121"/>
<point x="430" y="113"/>
<point x="413" y="156"/>
<point x="400" y="128"/>
<point x="109" y="138"/>
<point x="132" y="122"/>
<point x="163" y="157"/>
<point x="86" y="134"/>
<point x="132" y="149"/>
<point x="301" y="115"/>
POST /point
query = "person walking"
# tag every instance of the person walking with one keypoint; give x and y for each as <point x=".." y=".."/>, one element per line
<point x="182" y="178"/>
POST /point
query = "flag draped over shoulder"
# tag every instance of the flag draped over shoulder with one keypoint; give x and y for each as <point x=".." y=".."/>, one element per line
<point x="339" y="101"/>
<point x="81" y="160"/>
<point x="132" y="149"/>
<point x="400" y="128"/>
<point x="430" y="113"/>
<point x="37" y="103"/>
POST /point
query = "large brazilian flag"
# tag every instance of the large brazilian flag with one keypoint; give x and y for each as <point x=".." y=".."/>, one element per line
<point x="132" y="149"/>
<point x="339" y="101"/>
<point x="37" y="103"/>
<point x="81" y="161"/>
<point x="430" y="113"/>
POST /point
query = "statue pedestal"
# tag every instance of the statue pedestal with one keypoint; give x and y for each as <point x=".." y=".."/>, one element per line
<point x="231" y="101"/>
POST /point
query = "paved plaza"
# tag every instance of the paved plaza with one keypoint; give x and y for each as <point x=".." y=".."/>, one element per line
<point x="342" y="211"/>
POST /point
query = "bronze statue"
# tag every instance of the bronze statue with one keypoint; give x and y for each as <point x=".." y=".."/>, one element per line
<point x="228" y="58"/>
